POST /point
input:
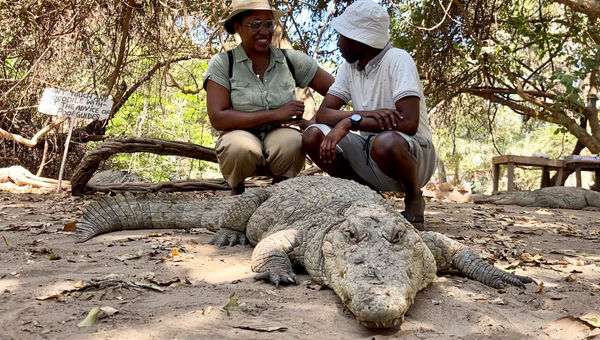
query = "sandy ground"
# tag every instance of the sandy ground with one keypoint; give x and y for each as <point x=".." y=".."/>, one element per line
<point x="168" y="284"/>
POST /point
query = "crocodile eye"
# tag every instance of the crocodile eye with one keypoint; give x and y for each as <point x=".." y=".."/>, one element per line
<point x="396" y="235"/>
<point x="351" y="233"/>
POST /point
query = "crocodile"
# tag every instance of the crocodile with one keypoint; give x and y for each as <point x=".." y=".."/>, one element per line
<point x="114" y="176"/>
<point x="345" y="235"/>
<point x="549" y="197"/>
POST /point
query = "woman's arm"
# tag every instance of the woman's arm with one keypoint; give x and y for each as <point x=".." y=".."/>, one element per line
<point x="321" y="81"/>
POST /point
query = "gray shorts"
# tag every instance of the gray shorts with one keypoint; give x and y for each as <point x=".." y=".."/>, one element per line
<point x="356" y="149"/>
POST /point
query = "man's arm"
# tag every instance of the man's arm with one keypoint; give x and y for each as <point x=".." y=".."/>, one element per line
<point x="405" y="118"/>
<point x="329" y="112"/>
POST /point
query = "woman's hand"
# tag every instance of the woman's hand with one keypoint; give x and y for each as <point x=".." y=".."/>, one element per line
<point x="329" y="143"/>
<point x="290" y="111"/>
<point x="301" y="123"/>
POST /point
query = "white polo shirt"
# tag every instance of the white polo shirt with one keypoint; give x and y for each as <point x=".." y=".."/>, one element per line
<point x="387" y="78"/>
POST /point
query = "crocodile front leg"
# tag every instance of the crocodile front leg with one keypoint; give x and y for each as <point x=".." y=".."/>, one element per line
<point x="230" y="237"/>
<point x="233" y="221"/>
<point x="449" y="253"/>
<point x="270" y="257"/>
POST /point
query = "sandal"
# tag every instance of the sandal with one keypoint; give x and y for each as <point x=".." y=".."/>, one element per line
<point x="416" y="220"/>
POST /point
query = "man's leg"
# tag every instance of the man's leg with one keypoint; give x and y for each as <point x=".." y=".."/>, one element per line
<point x="240" y="154"/>
<point x="339" y="167"/>
<point x="392" y="154"/>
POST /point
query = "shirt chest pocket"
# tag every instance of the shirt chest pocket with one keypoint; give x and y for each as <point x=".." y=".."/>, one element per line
<point x="281" y="91"/>
<point x="245" y="96"/>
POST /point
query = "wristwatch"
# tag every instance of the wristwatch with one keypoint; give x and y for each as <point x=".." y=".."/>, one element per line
<point x="355" y="119"/>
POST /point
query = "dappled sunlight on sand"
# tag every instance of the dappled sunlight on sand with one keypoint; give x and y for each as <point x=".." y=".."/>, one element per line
<point x="9" y="284"/>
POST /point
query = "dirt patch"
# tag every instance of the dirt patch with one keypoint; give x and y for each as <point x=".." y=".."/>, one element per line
<point x="168" y="284"/>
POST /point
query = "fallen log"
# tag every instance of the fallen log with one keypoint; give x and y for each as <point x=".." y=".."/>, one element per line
<point x="90" y="163"/>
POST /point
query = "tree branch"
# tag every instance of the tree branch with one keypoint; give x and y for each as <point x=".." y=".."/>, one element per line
<point x="590" y="8"/>
<point x="34" y="140"/>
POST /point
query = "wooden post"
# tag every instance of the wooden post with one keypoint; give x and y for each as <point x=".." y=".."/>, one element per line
<point x="559" y="176"/>
<point x="578" y="176"/>
<point x="545" y="177"/>
<point x="511" y="175"/>
<point x="64" y="160"/>
<point x="495" y="177"/>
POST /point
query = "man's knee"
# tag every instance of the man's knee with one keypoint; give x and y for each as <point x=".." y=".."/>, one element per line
<point x="311" y="139"/>
<point x="388" y="145"/>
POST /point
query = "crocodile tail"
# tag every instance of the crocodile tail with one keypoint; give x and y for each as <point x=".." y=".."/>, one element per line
<point x="158" y="211"/>
<point x="476" y="268"/>
<point x="449" y="253"/>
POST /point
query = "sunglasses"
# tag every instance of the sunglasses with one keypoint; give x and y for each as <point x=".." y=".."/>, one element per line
<point x="257" y="25"/>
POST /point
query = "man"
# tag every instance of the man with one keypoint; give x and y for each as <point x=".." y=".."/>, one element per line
<point x="394" y="151"/>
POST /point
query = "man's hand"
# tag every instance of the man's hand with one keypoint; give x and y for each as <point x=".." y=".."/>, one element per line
<point x="339" y="131"/>
<point x="388" y="119"/>
<point x="291" y="111"/>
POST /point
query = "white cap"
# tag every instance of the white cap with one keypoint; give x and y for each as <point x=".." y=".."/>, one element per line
<point x="366" y="22"/>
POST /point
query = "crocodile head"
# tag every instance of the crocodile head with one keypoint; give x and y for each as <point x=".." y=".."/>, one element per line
<point x="376" y="263"/>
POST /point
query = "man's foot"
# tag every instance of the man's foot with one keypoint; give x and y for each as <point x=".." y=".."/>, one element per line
<point x="414" y="210"/>
<point x="238" y="189"/>
<point x="417" y="220"/>
<point x="277" y="179"/>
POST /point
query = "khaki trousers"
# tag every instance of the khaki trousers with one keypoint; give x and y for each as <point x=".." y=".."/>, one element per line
<point x="242" y="154"/>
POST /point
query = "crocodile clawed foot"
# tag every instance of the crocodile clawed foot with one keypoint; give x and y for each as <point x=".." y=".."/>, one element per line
<point x="277" y="269"/>
<point x="278" y="276"/>
<point x="229" y="237"/>
<point x="512" y="279"/>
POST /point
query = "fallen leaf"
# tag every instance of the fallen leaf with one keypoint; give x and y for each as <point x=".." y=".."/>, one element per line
<point x="148" y="285"/>
<point x="6" y="242"/>
<point x="175" y="252"/>
<point x="49" y="297"/>
<point x="234" y="304"/>
<point x="165" y="283"/>
<point x="70" y="227"/>
<point x="512" y="265"/>
<point x="109" y="311"/>
<point x="540" y="288"/>
<point x="568" y="327"/>
<point x="498" y="301"/>
<point x="131" y="256"/>
<point x="591" y="318"/>
<point x="263" y="329"/>
<point x="54" y="257"/>
<point x="90" y="319"/>
<point x="528" y="258"/>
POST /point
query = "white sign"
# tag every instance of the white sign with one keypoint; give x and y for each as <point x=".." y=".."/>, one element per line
<point x="74" y="104"/>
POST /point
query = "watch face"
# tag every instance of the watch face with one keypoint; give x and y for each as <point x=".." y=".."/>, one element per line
<point x="355" y="117"/>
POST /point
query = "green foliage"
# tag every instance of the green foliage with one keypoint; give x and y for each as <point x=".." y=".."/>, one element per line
<point x="173" y="115"/>
<point x="478" y="131"/>
<point x="535" y="57"/>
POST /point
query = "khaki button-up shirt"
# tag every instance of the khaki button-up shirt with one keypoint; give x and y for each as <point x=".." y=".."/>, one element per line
<point x="248" y="92"/>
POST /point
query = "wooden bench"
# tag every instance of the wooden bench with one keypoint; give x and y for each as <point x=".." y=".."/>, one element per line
<point x="511" y="161"/>
<point x="579" y="165"/>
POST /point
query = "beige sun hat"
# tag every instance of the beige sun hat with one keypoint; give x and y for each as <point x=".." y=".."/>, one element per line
<point x="364" y="21"/>
<point x="239" y="6"/>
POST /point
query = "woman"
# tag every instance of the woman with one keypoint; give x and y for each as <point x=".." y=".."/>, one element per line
<point x="250" y="98"/>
